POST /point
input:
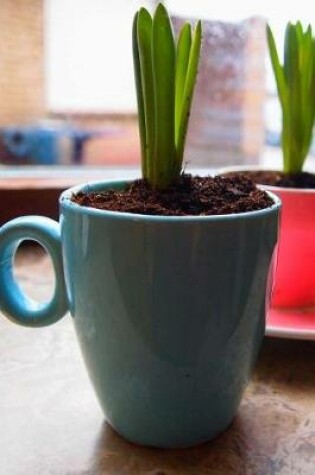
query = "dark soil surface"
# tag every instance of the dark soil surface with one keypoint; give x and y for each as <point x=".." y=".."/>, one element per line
<point x="191" y="196"/>
<point x="275" y="178"/>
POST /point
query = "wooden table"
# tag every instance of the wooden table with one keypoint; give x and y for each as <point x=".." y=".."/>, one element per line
<point x="51" y="424"/>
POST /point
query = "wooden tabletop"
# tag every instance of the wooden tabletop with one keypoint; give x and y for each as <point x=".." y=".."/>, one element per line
<point x="51" y="424"/>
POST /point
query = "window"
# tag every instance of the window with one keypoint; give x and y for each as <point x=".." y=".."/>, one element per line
<point x="68" y="72"/>
<point x="88" y="56"/>
<point x="88" y="51"/>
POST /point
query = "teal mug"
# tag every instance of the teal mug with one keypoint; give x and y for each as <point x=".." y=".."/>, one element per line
<point x="169" y="311"/>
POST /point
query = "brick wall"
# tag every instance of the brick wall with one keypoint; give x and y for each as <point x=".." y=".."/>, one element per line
<point x="21" y="61"/>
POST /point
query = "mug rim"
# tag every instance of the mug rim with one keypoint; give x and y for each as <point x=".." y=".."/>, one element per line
<point x="66" y="203"/>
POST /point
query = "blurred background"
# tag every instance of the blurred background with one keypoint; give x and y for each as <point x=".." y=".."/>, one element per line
<point x="67" y="91"/>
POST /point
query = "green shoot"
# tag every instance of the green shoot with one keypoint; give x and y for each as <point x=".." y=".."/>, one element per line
<point x="295" y="81"/>
<point x="165" y="76"/>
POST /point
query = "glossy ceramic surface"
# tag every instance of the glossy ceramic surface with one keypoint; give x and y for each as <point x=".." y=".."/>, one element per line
<point x="13" y="301"/>
<point x="295" y="273"/>
<point x="169" y="313"/>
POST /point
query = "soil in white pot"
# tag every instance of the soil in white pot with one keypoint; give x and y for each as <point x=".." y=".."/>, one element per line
<point x="276" y="178"/>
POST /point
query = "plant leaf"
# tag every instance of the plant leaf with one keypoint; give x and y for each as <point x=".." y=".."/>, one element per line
<point x="296" y="90"/>
<point x="277" y="68"/>
<point x="307" y="105"/>
<point x="282" y="89"/>
<point x="163" y="60"/>
<point x="292" y="71"/>
<point x="188" y="92"/>
<point x="144" y="34"/>
<point x="182" y="60"/>
<point x="139" y="91"/>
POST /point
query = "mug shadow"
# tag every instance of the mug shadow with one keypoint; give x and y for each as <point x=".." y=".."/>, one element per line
<point x="227" y="454"/>
<point x="286" y="364"/>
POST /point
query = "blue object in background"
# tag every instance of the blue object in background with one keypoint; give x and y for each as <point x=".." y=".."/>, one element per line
<point x="46" y="150"/>
<point x="42" y="144"/>
<point x="79" y="137"/>
<point x="34" y="144"/>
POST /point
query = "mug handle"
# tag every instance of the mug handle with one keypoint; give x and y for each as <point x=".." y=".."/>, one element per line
<point x="17" y="306"/>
